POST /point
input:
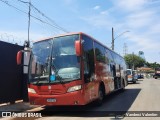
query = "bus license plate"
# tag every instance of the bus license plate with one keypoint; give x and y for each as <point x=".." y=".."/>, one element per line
<point x="51" y="100"/>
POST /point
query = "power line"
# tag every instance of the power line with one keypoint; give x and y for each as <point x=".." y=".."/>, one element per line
<point x="48" y="29"/>
<point x="20" y="6"/>
<point x="48" y="18"/>
<point x="44" y="16"/>
<point x="23" y="1"/>
<point x="6" y="2"/>
<point x="29" y="21"/>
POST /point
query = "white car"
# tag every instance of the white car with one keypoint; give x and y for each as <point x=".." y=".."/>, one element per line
<point x="130" y="76"/>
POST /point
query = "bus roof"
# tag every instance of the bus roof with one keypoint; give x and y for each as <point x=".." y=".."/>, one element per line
<point x="73" y="33"/>
<point x="66" y="34"/>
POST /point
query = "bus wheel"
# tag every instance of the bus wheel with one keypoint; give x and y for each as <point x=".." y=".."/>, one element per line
<point x="100" y="97"/>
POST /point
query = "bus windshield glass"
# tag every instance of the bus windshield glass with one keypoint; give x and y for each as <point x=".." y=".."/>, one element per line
<point x="54" y="60"/>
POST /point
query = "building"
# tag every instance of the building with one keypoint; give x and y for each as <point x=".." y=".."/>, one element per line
<point x="141" y="54"/>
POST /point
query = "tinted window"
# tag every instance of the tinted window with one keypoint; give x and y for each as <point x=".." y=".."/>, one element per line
<point x="109" y="58"/>
<point x="100" y="52"/>
<point x="128" y="72"/>
<point x="88" y="54"/>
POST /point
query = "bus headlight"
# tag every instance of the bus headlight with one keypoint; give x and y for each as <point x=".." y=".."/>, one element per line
<point x="30" y="90"/>
<point x="74" y="88"/>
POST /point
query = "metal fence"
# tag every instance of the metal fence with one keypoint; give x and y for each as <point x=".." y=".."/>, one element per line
<point x="11" y="75"/>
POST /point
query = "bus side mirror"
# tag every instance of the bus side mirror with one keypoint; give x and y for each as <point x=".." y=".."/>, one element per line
<point x="78" y="47"/>
<point x="19" y="57"/>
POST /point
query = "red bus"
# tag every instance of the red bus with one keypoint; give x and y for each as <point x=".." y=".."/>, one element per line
<point x="73" y="69"/>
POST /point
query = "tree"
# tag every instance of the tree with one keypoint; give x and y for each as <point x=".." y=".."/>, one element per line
<point x="153" y="65"/>
<point x="134" y="61"/>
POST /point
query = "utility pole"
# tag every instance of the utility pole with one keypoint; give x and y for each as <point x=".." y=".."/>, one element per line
<point x="133" y="61"/>
<point x="112" y="39"/>
<point x="125" y="49"/>
<point x="26" y="57"/>
<point x="29" y="16"/>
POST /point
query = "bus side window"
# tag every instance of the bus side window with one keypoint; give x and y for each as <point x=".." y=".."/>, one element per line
<point x="86" y="63"/>
<point x="87" y="74"/>
<point x="88" y="58"/>
<point x="114" y="71"/>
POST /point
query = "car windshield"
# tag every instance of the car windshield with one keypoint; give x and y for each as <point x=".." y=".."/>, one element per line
<point x="128" y="72"/>
<point x="134" y="72"/>
<point x="54" y="60"/>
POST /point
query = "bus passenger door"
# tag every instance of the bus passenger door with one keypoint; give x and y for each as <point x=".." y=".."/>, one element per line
<point x="89" y="79"/>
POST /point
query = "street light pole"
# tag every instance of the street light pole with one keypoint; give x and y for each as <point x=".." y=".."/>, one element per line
<point x="113" y="39"/>
<point x="29" y="15"/>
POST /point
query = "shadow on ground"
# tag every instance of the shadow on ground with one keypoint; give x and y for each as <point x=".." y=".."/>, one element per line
<point x="17" y="107"/>
<point x="117" y="103"/>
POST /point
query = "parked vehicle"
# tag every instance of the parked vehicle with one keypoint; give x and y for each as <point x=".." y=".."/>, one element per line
<point x="140" y="76"/>
<point x="135" y="75"/>
<point x="157" y="73"/>
<point x="130" y="76"/>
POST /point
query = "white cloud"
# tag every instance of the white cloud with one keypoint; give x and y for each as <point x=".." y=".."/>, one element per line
<point x="129" y="5"/>
<point x="96" y="7"/>
<point x="144" y="42"/>
<point x="104" y="12"/>
<point x="155" y="29"/>
<point x="98" y="21"/>
<point x="143" y="22"/>
<point x="140" y="19"/>
<point x="71" y="4"/>
<point x="69" y="1"/>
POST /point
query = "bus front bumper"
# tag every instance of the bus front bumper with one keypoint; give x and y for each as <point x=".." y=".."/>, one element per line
<point x="72" y="98"/>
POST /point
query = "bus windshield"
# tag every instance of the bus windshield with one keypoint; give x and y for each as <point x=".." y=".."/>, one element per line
<point x="54" y="60"/>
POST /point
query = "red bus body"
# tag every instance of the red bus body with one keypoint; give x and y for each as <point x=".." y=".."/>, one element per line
<point x="108" y="75"/>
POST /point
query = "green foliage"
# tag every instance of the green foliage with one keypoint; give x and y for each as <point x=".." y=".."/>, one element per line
<point x="152" y="65"/>
<point x="134" y="60"/>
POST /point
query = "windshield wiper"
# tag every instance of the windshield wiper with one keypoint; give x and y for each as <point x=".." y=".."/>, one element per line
<point x="60" y="79"/>
<point x="40" y="78"/>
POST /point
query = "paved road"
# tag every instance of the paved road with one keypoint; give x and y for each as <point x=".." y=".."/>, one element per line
<point x="142" y="96"/>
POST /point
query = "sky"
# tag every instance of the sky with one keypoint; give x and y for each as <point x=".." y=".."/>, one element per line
<point x="93" y="17"/>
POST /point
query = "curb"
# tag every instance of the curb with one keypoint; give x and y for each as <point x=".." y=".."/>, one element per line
<point x="18" y="106"/>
